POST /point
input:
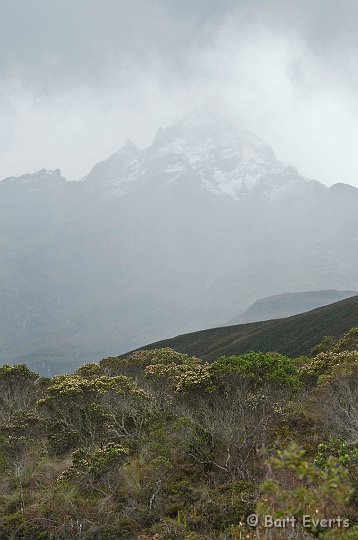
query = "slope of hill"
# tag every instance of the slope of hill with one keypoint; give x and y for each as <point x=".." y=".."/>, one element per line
<point x="294" y="336"/>
<point x="285" y="305"/>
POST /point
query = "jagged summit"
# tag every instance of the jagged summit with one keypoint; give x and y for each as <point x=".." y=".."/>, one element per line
<point x="228" y="160"/>
<point x="128" y="149"/>
<point x="202" y="134"/>
<point x="205" y="146"/>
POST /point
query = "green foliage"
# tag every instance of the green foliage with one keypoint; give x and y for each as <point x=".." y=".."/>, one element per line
<point x="89" y="370"/>
<point x="182" y="377"/>
<point x="345" y="454"/>
<point x="22" y="423"/>
<point x="60" y="436"/>
<point x="298" y="486"/>
<point x="18" y="372"/>
<point x="95" y="465"/>
<point x="17" y="389"/>
<point x="328" y="364"/>
<point x="79" y="409"/>
<point x="324" y="346"/>
<point x="161" y="445"/>
<point x="260" y="367"/>
<point x="135" y="363"/>
<point x="227" y="504"/>
<point x="69" y="386"/>
<point x="14" y="450"/>
<point x="349" y="342"/>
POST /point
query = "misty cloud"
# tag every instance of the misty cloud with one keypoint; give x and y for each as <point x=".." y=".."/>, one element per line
<point x="78" y="78"/>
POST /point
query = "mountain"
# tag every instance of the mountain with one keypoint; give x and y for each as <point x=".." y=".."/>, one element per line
<point x="284" y="305"/>
<point x="153" y="242"/>
<point x="219" y="159"/>
<point x="294" y="336"/>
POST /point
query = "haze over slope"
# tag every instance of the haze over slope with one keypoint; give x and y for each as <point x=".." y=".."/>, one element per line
<point x="163" y="240"/>
<point x="284" y="305"/>
<point x="294" y="336"/>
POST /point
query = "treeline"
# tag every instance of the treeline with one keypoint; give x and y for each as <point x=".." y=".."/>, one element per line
<point x="160" y="445"/>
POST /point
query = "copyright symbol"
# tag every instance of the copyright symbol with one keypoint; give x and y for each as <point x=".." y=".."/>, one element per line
<point x="252" y="520"/>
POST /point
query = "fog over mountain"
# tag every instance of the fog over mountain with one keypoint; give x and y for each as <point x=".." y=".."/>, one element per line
<point x="179" y="236"/>
<point x="76" y="79"/>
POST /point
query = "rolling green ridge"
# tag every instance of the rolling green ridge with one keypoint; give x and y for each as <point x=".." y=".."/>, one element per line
<point x="294" y="336"/>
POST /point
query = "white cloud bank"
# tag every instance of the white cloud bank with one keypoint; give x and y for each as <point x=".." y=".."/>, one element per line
<point x="78" y="78"/>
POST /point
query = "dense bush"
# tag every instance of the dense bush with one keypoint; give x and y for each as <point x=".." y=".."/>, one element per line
<point x="161" y="445"/>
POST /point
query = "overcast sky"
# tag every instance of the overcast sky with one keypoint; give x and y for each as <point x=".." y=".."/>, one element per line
<point x="78" y="77"/>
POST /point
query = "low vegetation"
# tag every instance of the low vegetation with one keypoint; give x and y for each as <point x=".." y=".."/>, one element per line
<point x="162" y="445"/>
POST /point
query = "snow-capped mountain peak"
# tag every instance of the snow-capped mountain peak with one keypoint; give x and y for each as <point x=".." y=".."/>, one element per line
<point x="228" y="160"/>
<point x="202" y="135"/>
<point x="203" y="146"/>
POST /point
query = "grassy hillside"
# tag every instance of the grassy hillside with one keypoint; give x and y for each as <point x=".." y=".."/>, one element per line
<point x="294" y="336"/>
<point x="284" y="305"/>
